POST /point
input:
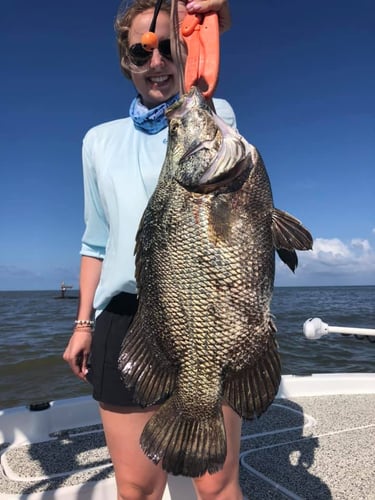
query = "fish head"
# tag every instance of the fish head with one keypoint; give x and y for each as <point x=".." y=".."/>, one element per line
<point x="203" y="152"/>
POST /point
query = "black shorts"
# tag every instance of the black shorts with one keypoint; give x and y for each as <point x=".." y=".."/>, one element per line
<point x="110" y="328"/>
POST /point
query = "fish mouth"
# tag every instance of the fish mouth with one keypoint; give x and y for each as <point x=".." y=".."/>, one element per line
<point x="227" y="154"/>
<point x="186" y="102"/>
<point x="197" y="146"/>
<point x="224" y="179"/>
<point x="230" y="161"/>
<point x="222" y="170"/>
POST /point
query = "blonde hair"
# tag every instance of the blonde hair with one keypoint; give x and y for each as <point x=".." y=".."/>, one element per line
<point x="126" y="13"/>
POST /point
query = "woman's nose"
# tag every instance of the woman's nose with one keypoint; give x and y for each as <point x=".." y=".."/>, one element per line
<point x="156" y="59"/>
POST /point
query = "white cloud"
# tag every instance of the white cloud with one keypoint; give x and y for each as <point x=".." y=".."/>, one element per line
<point x="332" y="262"/>
<point x="361" y="244"/>
<point x="330" y="250"/>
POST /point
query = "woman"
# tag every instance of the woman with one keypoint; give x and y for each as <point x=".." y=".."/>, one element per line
<point x="121" y="162"/>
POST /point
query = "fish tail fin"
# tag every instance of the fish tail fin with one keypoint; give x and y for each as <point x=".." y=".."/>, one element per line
<point x="250" y="391"/>
<point x="185" y="445"/>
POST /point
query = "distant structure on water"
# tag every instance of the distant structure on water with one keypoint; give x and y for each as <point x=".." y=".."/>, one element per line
<point x="63" y="289"/>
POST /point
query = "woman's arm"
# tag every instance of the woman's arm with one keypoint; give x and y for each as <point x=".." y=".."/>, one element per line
<point x="78" y="349"/>
<point x="89" y="276"/>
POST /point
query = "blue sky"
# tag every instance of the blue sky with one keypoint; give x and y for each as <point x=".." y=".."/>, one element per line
<point x="300" y="76"/>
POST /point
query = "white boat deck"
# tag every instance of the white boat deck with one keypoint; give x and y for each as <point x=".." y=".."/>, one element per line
<point x="316" y="441"/>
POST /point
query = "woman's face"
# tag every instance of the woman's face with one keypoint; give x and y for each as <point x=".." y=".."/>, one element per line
<point x="159" y="82"/>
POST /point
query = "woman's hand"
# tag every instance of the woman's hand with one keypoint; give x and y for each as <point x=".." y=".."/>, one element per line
<point x="77" y="352"/>
<point x="203" y="6"/>
<point x="78" y="349"/>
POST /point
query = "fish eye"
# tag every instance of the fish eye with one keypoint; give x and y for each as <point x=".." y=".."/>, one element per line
<point x="173" y="126"/>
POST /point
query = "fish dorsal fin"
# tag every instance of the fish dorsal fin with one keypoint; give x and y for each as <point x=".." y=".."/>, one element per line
<point x="288" y="232"/>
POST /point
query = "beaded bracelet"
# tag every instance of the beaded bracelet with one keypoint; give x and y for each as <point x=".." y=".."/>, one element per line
<point x="84" y="322"/>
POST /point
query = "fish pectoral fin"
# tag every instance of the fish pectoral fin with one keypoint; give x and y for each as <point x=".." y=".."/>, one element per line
<point x="289" y="233"/>
<point x="185" y="445"/>
<point x="251" y="390"/>
<point x="144" y="367"/>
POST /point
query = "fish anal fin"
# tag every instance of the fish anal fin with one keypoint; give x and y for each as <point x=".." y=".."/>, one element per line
<point x="185" y="445"/>
<point x="250" y="391"/>
<point x="288" y="232"/>
<point x="144" y="367"/>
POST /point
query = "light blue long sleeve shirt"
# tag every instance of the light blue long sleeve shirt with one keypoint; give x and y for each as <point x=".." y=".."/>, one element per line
<point x="121" y="166"/>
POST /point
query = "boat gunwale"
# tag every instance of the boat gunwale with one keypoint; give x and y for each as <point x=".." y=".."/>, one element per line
<point x="21" y="425"/>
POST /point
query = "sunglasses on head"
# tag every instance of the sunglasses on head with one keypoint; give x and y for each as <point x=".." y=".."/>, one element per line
<point x="140" y="56"/>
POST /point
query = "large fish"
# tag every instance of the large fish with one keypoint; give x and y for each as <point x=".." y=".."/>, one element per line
<point x="203" y="334"/>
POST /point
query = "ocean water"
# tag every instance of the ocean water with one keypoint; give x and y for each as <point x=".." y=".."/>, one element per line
<point x="35" y="328"/>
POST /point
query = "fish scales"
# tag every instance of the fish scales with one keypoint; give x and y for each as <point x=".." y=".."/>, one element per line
<point x="203" y="333"/>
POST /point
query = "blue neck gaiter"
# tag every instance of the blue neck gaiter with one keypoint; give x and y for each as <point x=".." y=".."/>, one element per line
<point x="150" y="121"/>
